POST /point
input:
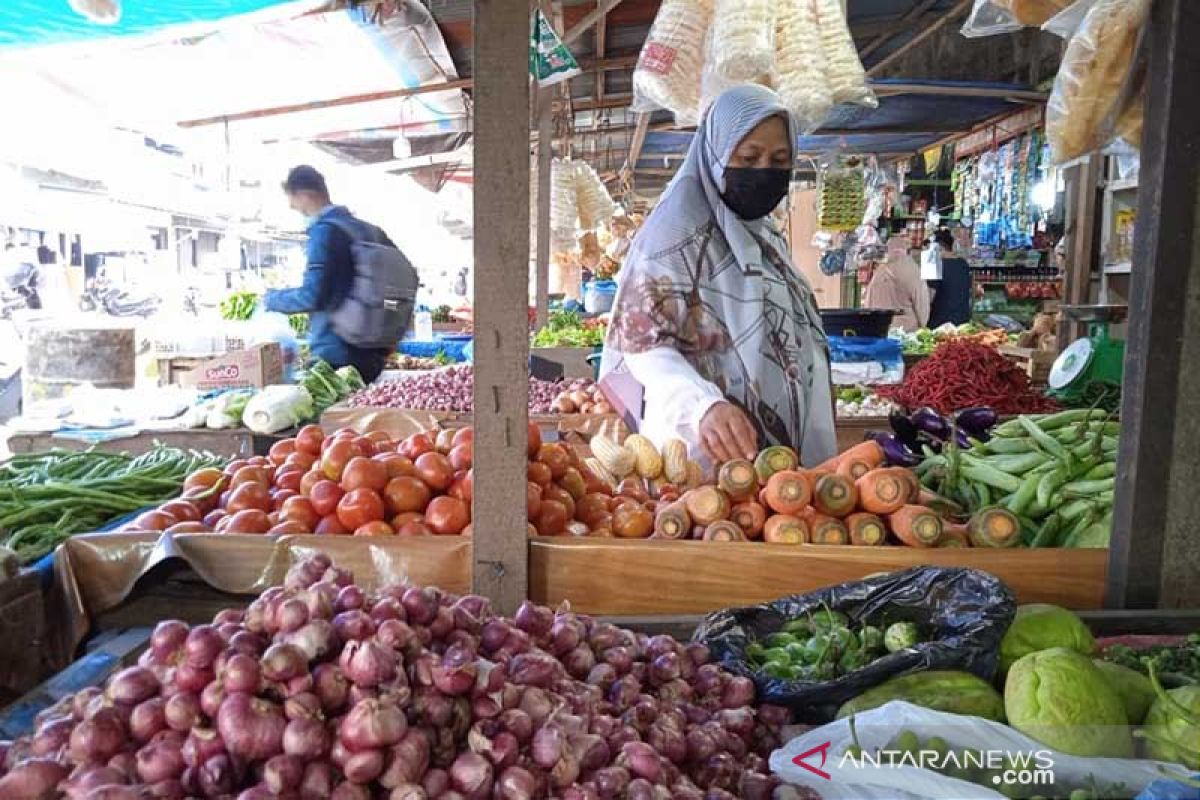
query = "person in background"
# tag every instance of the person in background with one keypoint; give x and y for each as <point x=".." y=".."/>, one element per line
<point x="718" y="331"/>
<point x="952" y="298"/>
<point x="329" y="273"/>
<point x="897" y="285"/>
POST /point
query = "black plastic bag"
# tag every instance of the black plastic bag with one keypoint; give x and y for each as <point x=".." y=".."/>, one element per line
<point x="962" y="614"/>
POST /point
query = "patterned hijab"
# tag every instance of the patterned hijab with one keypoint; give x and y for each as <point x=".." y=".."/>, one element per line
<point x="722" y="292"/>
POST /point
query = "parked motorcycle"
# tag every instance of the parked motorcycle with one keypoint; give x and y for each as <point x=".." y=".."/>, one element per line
<point x="100" y="294"/>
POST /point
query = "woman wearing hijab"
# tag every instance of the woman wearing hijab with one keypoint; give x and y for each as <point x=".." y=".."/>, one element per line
<point x="897" y="285"/>
<point x="711" y="319"/>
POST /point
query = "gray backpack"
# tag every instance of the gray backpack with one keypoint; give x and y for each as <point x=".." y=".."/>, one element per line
<point x="376" y="310"/>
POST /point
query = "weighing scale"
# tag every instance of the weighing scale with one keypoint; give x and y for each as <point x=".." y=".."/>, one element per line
<point x="1094" y="360"/>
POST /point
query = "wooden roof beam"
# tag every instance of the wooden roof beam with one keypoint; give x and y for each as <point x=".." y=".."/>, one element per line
<point x="950" y="16"/>
<point x="594" y="16"/>
<point x="906" y="21"/>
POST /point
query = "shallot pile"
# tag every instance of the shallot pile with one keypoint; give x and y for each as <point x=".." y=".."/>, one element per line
<point x="318" y="690"/>
<point x="450" y="389"/>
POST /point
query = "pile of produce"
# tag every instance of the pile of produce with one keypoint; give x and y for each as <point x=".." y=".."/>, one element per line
<point x="822" y="646"/>
<point x="451" y="389"/>
<point x="859" y="401"/>
<point x="240" y="306"/>
<point x="570" y="329"/>
<point x="581" y="396"/>
<point x="927" y="430"/>
<point x="960" y="375"/>
<point x="1176" y="664"/>
<point x="852" y="499"/>
<point x="282" y="406"/>
<point x="321" y="689"/>
<point x="400" y="361"/>
<point x="47" y="497"/>
<point x="1056" y="473"/>
<point x="924" y="341"/>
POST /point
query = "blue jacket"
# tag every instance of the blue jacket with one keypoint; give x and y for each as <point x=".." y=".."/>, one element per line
<point x="327" y="281"/>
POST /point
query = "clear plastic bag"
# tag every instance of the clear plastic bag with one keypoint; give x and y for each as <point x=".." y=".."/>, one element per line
<point x="671" y="63"/>
<point x="843" y="68"/>
<point x="1066" y="22"/>
<point x="713" y="83"/>
<point x="743" y="33"/>
<point x="799" y="78"/>
<point x="988" y="18"/>
<point x="1094" y="94"/>
<point x="824" y="748"/>
<point x="1032" y="13"/>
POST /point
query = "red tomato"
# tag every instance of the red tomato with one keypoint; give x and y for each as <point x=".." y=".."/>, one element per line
<point x="205" y="500"/>
<point x="191" y="526"/>
<point x="395" y="464"/>
<point x="331" y="526"/>
<point x="556" y="458"/>
<point x="213" y="517"/>
<point x="562" y="497"/>
<point x="463" y="436"/>
<point x="281" y="496"/>
<point x="204" y="479"/>
<point x="552" y="520"/>
<point x="539" y="473"/>
<point x="435" y="470"/>
<point x="288" y="526"/>
<point x="377" y="528"/>
<point x="572" y="481"/>
<point x="406" y="494"/>
<point x="309" y="440"/>
<point x="249" y="474"/>
<point x="300" y="510"/>
<point x="414" y="529"/>
<point x="289" y="480"/>
<point x="592" y="508"/>
<point x="447" y="516"/>
<point x="258" y="461"/>
<point x="533" y="500"/>
<point x="462" y="456"/>
<point x="248" y="496"/>
<point x="336" y="457"/>
<point x="151" y="521"/>
<point x="592" y="483"/>
<point x="325" y="496"/>
<point x="400" y="520"/>
<point x="359" y="507"/>
<point x="463" y="486"/>
<point x="415" y="445"/>
<point x="533" y="439"/>
<point x="301" y="459"/>
<point x="365" y="446"/>
<point x="250" y="520"/>
<point x="381" y="439"/>
<point x="281" y="450"/>
<point x="182" y="510"/>
<point x="364" y="473"/>
<point x="309" y="480"/>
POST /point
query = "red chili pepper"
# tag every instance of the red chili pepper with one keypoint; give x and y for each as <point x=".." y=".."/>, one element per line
<point x="960" y="375"/>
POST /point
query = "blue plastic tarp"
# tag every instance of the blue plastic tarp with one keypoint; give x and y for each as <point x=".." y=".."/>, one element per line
<point x="451" y="349"/>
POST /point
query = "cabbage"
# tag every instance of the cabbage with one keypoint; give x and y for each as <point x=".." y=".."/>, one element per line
<point x="1172" y="729"/>
<point x="1039" y="627"/>
<point x="1063" y="700"/>
<point x="1131" y="686"/>
<point x="278" y="407"/>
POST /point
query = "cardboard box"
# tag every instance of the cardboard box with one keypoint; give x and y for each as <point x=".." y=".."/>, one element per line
<point x="170" y="341"/>
<point x="253" y="368"/>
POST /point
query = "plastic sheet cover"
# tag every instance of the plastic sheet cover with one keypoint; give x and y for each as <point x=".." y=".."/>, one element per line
<point x="962" y="614"/>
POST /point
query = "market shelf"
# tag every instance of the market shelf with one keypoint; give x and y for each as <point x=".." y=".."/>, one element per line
<point x="638" y="577"/>
<point x="1122" y="268"/>
<point x="1129" y="184"/>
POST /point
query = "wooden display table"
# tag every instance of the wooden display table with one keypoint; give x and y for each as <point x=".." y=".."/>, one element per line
<point x="400" y="423"/>
<point x="237" y="442"/>
<point x="852" y="430"/>
<point x="644" y="577"/>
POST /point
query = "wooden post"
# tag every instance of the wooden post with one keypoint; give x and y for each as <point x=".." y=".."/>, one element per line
<point x="1082" y="209"/>
<point x="1154" y="560"/>
<point x="501" y="67"/>
<point x="545" y="154"/>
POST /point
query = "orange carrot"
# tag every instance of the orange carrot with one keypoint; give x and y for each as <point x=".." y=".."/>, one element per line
<point x="751" y="517"/>
<point x="883" y="491"/>
<point x="916" y="526"/>
<point x="869" y="453"/>
<point x="835" y="496"/>
<point x="785" y="529"/>
<point x="787" y="492"/>
<point x="954" y="535"/>
<point x="827" y="530"/>
<point x="942" y="505"/>
<point x="866" y="529"/>
<point x="672" y="521"/>
<point x="738" y="479"/>
<point x="994" y="527"/>
<point x="724" y="531"/>
<point x="914" y="483"/>
<point x="706" y="505"/>
<point x="853" y="468"/>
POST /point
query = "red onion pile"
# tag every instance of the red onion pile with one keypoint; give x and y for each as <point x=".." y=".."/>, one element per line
<point x="318" y="690"/>
<point x="450" y="389"/>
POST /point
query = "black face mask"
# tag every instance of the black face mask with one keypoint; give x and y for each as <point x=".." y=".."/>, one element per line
<point x="754" y="192"/>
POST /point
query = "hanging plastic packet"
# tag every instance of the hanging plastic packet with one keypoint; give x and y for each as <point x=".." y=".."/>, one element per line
<point x="712" y="82"/>
<point x="987" y="18"/>
<point x="1096" y="94"/>
<point x="743" y="39"/>
<point x="550" y="61"/>
<point x="799" y="78"/>
<point x="1066" y="22"/>
<point x="843" y="68"/>
<point x="669" y="69"/>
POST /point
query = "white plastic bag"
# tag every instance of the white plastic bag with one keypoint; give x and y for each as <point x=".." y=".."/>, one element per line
<point x="669" y="69"/>
<point x="743" y="33"/>
<point x="843" y="68"/>
<point x="801" y="80"/>
<point x="989" y="19"/>
<point x="824" y="749"/>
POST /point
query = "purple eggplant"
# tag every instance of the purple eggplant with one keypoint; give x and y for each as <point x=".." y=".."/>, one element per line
<point x="894" y="451"/>
<point x="977" y="422"/>
<point x="904" y="429"/>
<point x="931" y="422"/>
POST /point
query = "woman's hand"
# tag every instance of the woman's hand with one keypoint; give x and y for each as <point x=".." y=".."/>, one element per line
<point x="726" y="434"/>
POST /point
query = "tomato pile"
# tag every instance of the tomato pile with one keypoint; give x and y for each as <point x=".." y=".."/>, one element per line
<point x="370" y="485"/>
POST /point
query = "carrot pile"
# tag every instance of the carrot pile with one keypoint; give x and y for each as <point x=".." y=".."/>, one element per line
<point x="962" y="375"/>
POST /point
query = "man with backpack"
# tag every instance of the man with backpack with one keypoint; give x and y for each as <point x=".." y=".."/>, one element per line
<point x="358" y="288"/>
